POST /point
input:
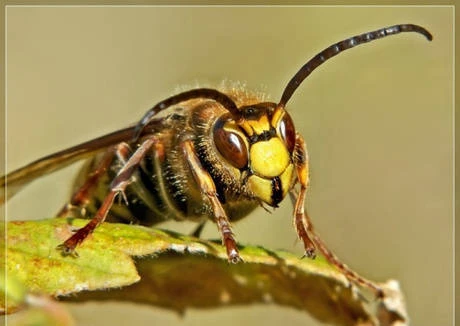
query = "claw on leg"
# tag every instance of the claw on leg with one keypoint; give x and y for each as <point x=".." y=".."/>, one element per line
<point x="233" y="256"/>
<point x="67" y="251"/>
<point x="309" y="253"/>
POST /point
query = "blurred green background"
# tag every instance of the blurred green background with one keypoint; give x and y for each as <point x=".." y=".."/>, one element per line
<point x="378" y="121"/>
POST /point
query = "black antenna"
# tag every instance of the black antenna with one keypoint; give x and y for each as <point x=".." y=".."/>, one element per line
<point x="341" y="46"/>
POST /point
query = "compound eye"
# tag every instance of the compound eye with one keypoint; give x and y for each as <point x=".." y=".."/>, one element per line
<point x="286" y="130"/>
<point x="231" y="146"/>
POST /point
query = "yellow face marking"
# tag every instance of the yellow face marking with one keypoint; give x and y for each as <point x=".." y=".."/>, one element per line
<point x="256" y="126"/>
<point x="278" y="114"/>
<point x="269" y="158"/>
<point x="262" y="188"/>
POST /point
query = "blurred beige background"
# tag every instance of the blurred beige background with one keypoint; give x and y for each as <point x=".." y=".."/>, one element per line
<point x="378" y="122"/>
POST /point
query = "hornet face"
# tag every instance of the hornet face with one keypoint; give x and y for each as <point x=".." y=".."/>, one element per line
<point x="261" y="145"/>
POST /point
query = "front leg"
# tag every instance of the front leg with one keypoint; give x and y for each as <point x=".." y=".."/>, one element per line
<point x="302" y="223"/>
<point x="307" y="231"/>
<point x="208" y="188"/>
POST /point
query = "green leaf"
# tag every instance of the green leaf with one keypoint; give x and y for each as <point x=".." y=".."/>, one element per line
<point x="177" y="272"/>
